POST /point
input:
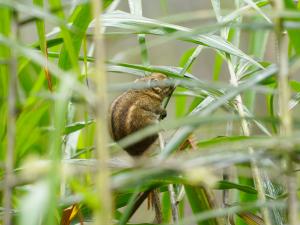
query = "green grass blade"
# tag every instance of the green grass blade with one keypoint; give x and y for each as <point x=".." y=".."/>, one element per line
<point x="145" y="25"/>
<point x="255" y="7"/>
<point x="199" y="202"/>
<point x="210" y="106"/>
<point x="294" y="34"/>
<point x="80" y="22"/>
<point x="66" y="35"/>
<point x="136" y="9"/>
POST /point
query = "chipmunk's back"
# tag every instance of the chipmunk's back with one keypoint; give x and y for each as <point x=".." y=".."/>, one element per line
<point x="136" y="109"/>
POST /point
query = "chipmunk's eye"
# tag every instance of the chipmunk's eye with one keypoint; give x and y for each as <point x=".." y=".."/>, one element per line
<point x="155" y="88"/>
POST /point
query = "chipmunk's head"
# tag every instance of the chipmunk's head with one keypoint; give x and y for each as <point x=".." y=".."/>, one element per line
<point x="162" y="89"/>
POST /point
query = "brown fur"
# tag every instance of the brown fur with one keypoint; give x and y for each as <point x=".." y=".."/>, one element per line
<point x="136" y="109"/>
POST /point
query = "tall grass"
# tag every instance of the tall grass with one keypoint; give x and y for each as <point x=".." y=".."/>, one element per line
<point x="227" y="152"/>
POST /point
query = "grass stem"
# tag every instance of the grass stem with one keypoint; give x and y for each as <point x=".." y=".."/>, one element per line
<point x="103" y="210"/>
<point x="11" y="127"/>
<point x="284" y="96"/>
<point x="246" y="131"/>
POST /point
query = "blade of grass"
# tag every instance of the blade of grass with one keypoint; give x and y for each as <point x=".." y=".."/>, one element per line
<point x="217" y="66"/>
<point x="229" y="211"/>
<point x="256" y="8"/>
<point x="186" y="61"/>
<point x="103" y="207"/>
<point x="25" y="8"/>
<point x="40" y="25"/>
<point x="55" y="149"/>
<point x="40" y="60"/>
<point x="251" y="218"/>
<point x="232" y="65"/>
<point x="129" y="207"/>
<point x="200" y="202"/>
<point x="286" y="126"/>
<point x="5" y="17"/>
<point x="80" y="22"/>
<point x="66" y="35"/>
<point x="145" y="25"/>
<point x="166" y="207"/>
<point x="293" y="33"/>
<point x="12" y="32"/>
<point x="171" y="191"/>
<point x="136" y="9"/>
<point x="33" y="206"/>
<point x="29" y="119"/>
<point x="246" y="130"/>
<point x="258" y="42"/>
<point x="209" y="105"/>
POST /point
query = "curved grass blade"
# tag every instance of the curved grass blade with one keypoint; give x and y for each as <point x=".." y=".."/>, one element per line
<point x="140" y="24"/>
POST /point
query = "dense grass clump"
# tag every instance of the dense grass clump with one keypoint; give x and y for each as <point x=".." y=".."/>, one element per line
<point x="227" y="151"/>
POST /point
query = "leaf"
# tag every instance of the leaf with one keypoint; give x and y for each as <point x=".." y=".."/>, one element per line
<point x="29" y="129"/>
<point x="185" y="62"/>
<point x="294" y="34"/>
<point x="256" y="8"/>
<point x="68" y="214"/>
<point x="140" y="24"/>
<point x="40" y="25"/>
<point x="225" y="185"/>
<point x="50" y="43"/>
<point x="166" y="207"/>
<point x="207" y="106"/>
<point x="5" y="23"/>
<point x="217" y="9"/>
<point x="34" y="204"/>
<point x="136" y="68"/>
<point x="70" y="128"/>
<point x="199" y="202"/>
<point x="136" y="9"/>
<point x="251" y="219"/>
<point x="217" y="66"/>
<point x="237" y="13"/>
<point x="295" y="85"/>
<point x="258" y="44"/>
<point x="28" y="8"/>
<point x="80" y="23"/>
<point x="191" y="58"/>
<point x="130" y="207"/>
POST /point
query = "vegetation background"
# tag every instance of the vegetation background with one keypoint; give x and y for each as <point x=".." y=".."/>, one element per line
<point x="228" y="151"/>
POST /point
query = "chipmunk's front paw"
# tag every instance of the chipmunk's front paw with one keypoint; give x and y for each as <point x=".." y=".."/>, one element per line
<point x="163" y="114"/>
